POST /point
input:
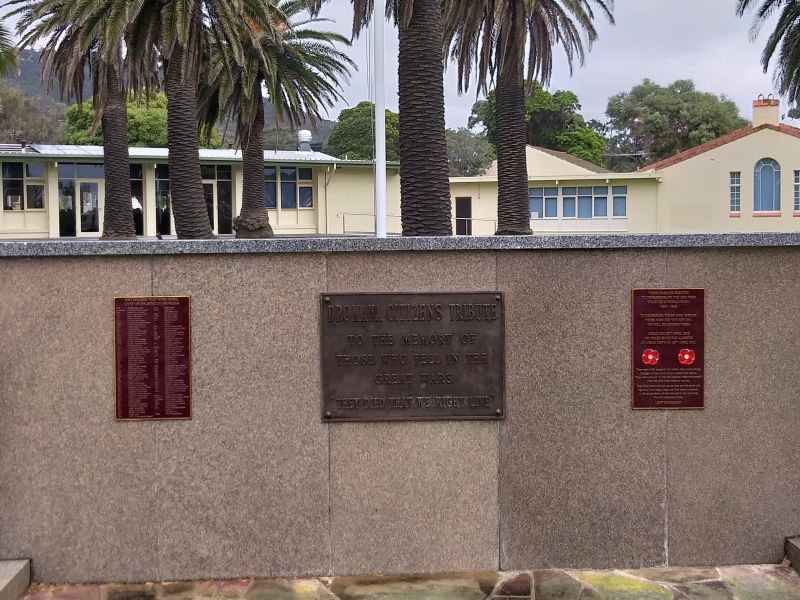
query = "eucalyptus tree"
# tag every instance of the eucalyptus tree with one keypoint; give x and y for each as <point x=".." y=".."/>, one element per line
<point x="302" y="72"/>
<point x="490" y="39"/>
<point x="783" y="40"/>
<point x="77" y="35"/>
<point x="425" y="204"/>
<point x="179" y="32"/>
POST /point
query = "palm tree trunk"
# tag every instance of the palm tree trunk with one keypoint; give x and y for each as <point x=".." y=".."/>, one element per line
<point x="186" y="184"/>
<point x="253" y="221"/>
<point x="424" y="171"/>
<point x="513" y="207"/>
<point x="118" y="217"/>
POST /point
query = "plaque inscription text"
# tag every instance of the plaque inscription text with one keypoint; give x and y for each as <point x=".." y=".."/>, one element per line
<point x="412" y="356"/>
<point x="668" y="358"/>
<point x="152" y="338"/>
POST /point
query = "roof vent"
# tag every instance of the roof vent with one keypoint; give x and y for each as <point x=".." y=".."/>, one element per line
<point x="304" y="138"/>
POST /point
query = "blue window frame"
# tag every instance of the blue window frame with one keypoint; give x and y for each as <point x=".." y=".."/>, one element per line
<point x="767" y="186"/>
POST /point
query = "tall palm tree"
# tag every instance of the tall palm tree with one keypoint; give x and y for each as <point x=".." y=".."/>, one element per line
<point x="425" y="204"/>
<point x="492" y="35"/>
<point x="179" y="30"/>
<point x="78" y="34"/>
<point x="784" y="39"/>
<point x="303" y="74"/>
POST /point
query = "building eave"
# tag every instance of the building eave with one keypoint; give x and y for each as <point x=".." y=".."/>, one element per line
<point x="607" y="177"/>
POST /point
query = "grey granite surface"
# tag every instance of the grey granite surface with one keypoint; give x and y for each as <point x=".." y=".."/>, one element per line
<point x="96" y="247"/>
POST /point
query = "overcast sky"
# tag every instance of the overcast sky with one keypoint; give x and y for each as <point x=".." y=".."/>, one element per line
<point x="663" y="40"/>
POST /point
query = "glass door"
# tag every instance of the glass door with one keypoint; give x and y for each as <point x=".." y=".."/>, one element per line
<point x="210" y="195"/>
<point x="89" y="196"/>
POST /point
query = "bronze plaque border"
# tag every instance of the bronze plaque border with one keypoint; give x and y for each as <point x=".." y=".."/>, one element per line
<point x="633" y="343"/>
<point x="114" y="370"/>
<point x="498" y="416"/>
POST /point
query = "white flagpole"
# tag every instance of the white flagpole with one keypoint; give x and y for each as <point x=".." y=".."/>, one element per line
<point x="378" y="21"/>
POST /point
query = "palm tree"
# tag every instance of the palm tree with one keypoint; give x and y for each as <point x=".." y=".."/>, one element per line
<point x="303" y="74"/>
<point x="424" y="172"/>
<point x="492" y="35"/>
<point x="784" y="39"/>
<point x="8" y="53"/>
<point x="179" y="30"/>
<point x="78" y="34"/>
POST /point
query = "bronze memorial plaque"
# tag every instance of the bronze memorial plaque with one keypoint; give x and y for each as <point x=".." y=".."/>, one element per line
<point x="668" y="349"/>
<point x="412" y="356"/>
<point x="152" y="345"/>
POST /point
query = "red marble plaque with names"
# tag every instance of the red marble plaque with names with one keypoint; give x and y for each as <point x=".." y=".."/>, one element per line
<point x="668" y="349"/>
<point x="153" y="355"/>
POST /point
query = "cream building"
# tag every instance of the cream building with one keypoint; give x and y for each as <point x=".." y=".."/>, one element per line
<point x="745" y="181"/>
<point x="748" y="180"/>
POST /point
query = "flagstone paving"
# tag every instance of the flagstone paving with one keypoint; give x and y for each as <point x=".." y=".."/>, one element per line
<point x="762" y="582"/>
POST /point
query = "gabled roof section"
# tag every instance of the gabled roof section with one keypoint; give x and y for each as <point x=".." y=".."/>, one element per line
<point x="717" y="142"/>
<point x="578" y="162"/>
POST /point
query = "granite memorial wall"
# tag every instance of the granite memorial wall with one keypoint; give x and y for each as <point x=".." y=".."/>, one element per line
<point x="252" y="477"/>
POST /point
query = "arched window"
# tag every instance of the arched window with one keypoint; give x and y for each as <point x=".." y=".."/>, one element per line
<point x="767" y="184"/>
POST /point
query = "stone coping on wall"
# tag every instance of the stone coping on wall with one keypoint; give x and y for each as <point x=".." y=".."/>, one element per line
<point x="152" y="246"/>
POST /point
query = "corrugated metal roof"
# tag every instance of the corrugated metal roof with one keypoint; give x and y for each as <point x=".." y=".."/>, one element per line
<point x="78" y="152"/>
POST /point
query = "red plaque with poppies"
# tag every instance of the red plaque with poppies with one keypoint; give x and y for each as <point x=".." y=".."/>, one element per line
<point x="668" y="349"/>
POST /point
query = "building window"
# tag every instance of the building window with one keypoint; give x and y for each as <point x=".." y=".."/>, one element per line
<point x="294" y="184"/>
<point x="288" y="187"/>
<point x="23" y="186"/>
<point x="568" y="202"/>
<point x="137" y="198"/>
<point x="767" y="186"/>
<point x="797" y="190"/>
<point x="271" y="187"/>
<point x="589" y="202"/>
<point x="736" y="191"/>
<point x="620" y="201"/>
<point x="543" y="203"/>
<point x="163" y="200"/>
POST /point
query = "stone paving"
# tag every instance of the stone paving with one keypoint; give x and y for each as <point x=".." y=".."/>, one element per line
<point x="764" y="582"/>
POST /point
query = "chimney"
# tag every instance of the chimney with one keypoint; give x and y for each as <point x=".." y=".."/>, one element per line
<point x="766" y="111"/>
<point x="304" y="138"/>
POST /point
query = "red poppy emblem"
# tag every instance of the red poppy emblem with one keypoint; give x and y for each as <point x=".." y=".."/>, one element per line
<point x="650" y="357"/>
<point x="686" y="356"/>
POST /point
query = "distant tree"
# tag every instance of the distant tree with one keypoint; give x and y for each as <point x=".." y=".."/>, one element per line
<point x="552" y="120"/>
<point x="147" y="124"/>
<point x="469" y="154"/>
<point x="353" y="135"/>
<point x="25" y="117"/>
<point x="651" y="122"/>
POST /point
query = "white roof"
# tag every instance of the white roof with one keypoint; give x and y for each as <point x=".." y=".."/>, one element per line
<point x="72" y="151"/>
